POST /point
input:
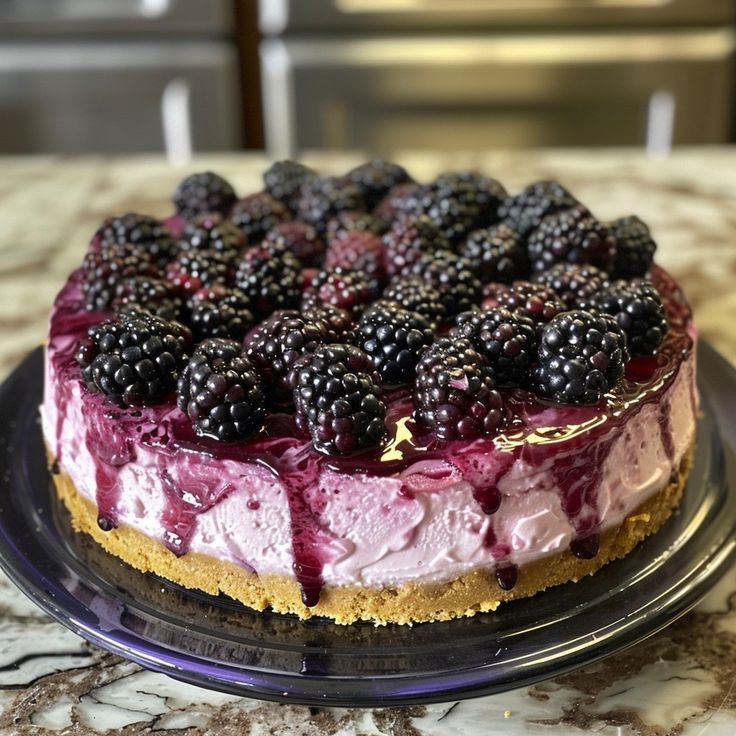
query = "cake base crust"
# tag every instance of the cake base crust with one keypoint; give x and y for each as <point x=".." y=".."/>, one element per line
<point x="469" y="594"/>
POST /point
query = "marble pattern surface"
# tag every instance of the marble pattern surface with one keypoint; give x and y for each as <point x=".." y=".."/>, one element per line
<point x="681" y="682"/>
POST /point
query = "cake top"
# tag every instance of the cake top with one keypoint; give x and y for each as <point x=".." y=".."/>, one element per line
<point x="326" y="297"/>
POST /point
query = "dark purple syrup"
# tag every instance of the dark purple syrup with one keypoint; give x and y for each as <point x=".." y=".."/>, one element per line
<point x="506" y="576"/>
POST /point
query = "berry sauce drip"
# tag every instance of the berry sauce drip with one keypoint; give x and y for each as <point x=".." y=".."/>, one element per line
<point x="572" y="441"/>
<point x="668" y="441"/>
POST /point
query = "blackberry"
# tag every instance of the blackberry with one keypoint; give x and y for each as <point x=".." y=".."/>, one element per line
<point x="497" y="253"/>
<point x="270" y="277"/>
<point x="454" y="277"/>
<point x="301" y="239"/>
<point x="339" y="321"/>
<point x="417" y="295"/>
<point x="193" y="269"/>
<point x="573" y="283"/>
<point x="284" y="179"/>
<point x="635" y="247"/>
<point x="210" y="231"/>
<point x="409" y="238"/>
<point x="325" y="197"/>
<point x="276" y="345"/>
<point x="219" y="311"/>
<point x="581" y="357"/>
<point x="147" y="234"/>
<point x="526" y="210"/>
<point x="454" y="394"/>
<point x="572" y="236"/>
<point x="135" y="358"/>
<point x="536" y="301"/>
<point x="390" y="207"/>
<point x="394" y="338"/>
<point x="203" y="192"/>
<point x="345" y="222"/>
<point x="339" y="400"/>
<point x="358" y="250"/>
<point x="376" y="178"/>
<point x="220" y="392"/>
<point x="481" y="194"/>
<point x="343" y="288"/>
<point x="104" y="271"/>
<point x="507" y="341"/>
<point x="258" y="213"/>
<point x="155" y="296"/>
<point x="637" y="307"/>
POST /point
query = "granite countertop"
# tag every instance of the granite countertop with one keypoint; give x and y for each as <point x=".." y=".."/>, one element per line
<point x="679" y="682"/>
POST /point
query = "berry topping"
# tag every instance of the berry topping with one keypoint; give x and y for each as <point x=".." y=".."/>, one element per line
<point x="218" y="311"/>
<point x="204" y="192"/>
<point x="572" y="236"/>
<point x="573" y="283"/>
<point x="301" y="239"/>
<point x="454" y="277"/>
<point x="270" y="278"/>
<point x="581" y="357"/>
<point x="635" y="247"/>
<point x="345" y="222"/>
<point x="374" y="179"/>
<point x="417" y="295"/>
<point x="526" y="210"/>
<point x="454" y="393"/>
<point x="193" y="269"/>
<point x="506" y="339"/>
<point x="284" y="179"/>
<point x="536" y="301"/>
<point x="358" y="250"/>
<point x="155" y="296"/>
<point x="497" y="253"/>
<point x="258" y="213"/>
<point x="410" y="238"/>
<point x="339" y="400"/>
<point x="148" y="234"/>
<point x="135" y="358"/>
<point x="343" y="288"/>
<point x="394" y="338"/>
<point x="220" y="392"/>
<point x="637" y="307"/>
<point x="325" y="197"/>
<point x="210" y="231"/>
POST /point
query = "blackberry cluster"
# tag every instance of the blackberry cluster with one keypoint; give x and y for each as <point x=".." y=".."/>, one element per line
<point x="637" y="307"/>
<point x="358" y="250"/>
<point x="339" y="321"/>
<point x="325" y="197"/>
<point x="417" y="295"/>
<point x="339" y="400"/>
<point x="375" y="179"/>
<point x="276" y="345"/>
<point x="395" y="339"/>
<point x="284" y="180"/>
<point x="155" y="296"/>
<point x="258" y="213"/>
<point x="481" y="194"/>
<point x="150" y="236"/>
<point x="219" y="311"/>
<point x="211" y="231"/>
<point x="507" y="340"/>
<point x="345" y="222"/>
<point x="135" y="358"/>
<point x="581" y="357"/>
<point x="635" y="248"/>
<point x="203" y="192"/>
<point x="410" y="238"/>
<point x="220" y="392"/>
<point x="342" y="288"/>
<point x="574" y="283"/>
<point x="392" y="205"/>
<point x="454" y="394"/>
<point x="526" y="210"/>
<point x="301" y="239"/>
<point x="193" y="269"/>
<point x="270" y="278"/>
<point x="528" y="299"/>
<point x="498" y="253"/>
<point x="572" y="236"/>
<point x="453" y="276"/>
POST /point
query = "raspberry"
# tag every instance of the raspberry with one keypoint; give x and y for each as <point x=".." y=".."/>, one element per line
<point x="149" y="236"/>
<point x="454" y="393"/>
<point x="408" y="239"/>
<point x="193" y="269"/>
<point x="459" y="287"/>
<point x="480" y="193"/>
<point x="572" y="236"/>
<point x="526" y="210"/>
<point x="339" y="400"/>
<point x="417" y="295"/>
<point x="358" y="250"/>
<point x="210" y="231"/>
<point x="536" y="301"/>
<point x="258" y="213"/>
<point x="507" y="341"/>
<point x="497" y="253"/>
<point x="301" y="239"/>
<point x="574" y="284"/>
<point x="453" y="216"/>
<point x="394" y="338"/>
<point x="635" y="247"/>
<point x="204" y="192"/>
<point x="219" y="311"/>
<point x="375" y="179"/>
<point x="325" y="197"/>
<point x="135" y="358"/>
<point x="284" y="179"/>
<point x="581" y="357"/>
<point x="343" y="288"/>
<point x="390" y="207"/>
<point x="220" y="392"/>
<point x="155" y="296"/>
<point x="345" y="222"/>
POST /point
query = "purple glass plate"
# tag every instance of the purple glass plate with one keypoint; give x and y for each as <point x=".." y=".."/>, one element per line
<point x="217" y="643"/>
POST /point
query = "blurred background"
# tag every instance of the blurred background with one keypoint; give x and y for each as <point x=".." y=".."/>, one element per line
<point x="290" y="76"/>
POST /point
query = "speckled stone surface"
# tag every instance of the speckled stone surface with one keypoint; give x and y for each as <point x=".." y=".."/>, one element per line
<point x="680" y="682"/>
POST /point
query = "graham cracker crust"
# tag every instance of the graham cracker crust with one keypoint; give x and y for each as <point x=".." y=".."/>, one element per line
<point x="469" y="594"/>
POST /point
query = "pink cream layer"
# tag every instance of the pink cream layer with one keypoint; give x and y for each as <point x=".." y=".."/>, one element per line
<point x="419" y="510"/>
